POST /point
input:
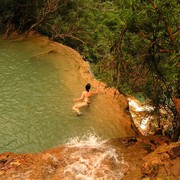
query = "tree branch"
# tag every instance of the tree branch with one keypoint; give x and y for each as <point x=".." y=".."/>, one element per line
<point x="65" y="35"/>
<point x="168" y="28"/>
<point x="49" y="7"/>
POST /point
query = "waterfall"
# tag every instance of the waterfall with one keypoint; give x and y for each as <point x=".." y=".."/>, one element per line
<point x="92" y="158"/>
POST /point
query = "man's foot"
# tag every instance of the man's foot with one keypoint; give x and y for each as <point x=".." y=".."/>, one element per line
<point x="79" y="114"/>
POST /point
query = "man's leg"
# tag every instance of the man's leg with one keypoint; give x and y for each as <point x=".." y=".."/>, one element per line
<point x="78" y="106"/>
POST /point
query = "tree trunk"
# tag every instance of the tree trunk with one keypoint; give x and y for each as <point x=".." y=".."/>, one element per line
<point x="168" y="28"/>
<point x="176" y="134"/>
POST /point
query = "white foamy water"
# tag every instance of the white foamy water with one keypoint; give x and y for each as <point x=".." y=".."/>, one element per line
<point x="90" y="140"/>
<point x="91" y="158"/>
<point x="139" y="108"/>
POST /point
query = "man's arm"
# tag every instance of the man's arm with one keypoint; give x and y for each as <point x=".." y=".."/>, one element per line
<point x="97" y="91"/>
<point x="78" y="99"/>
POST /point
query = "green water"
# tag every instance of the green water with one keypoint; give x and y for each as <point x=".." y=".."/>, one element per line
<point x="36" y="100"/>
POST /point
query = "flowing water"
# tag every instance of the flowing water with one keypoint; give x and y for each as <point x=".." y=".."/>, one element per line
<point x="92" y="158"/>
<point x="36" y="92"/>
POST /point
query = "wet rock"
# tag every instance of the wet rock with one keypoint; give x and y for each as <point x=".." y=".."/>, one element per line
<point x="129" y="141"/>
<point x="176" y="151"/>
<point x="156" y="163"/>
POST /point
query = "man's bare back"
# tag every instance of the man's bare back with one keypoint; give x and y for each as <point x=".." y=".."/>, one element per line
<point x="85" y="98"/>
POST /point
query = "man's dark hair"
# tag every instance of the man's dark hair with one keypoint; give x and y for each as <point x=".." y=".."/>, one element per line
<point x="88" y="86"/>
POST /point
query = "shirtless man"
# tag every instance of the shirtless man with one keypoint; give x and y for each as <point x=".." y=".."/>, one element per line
<point x="85" y="97"/>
